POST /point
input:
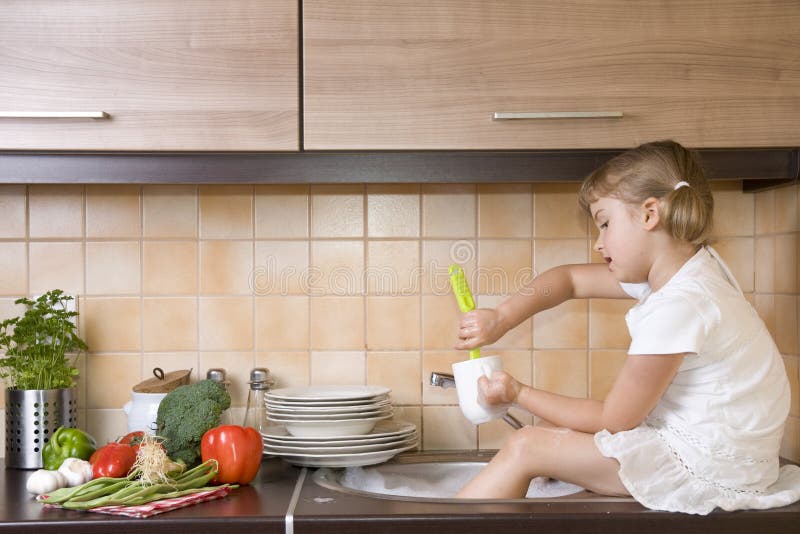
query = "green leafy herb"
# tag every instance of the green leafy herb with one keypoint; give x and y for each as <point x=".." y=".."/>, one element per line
<point x="41" y="346"/>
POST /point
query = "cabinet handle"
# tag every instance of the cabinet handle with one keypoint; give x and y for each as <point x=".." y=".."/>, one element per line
<point x="504" y="116"/>
<point x="54" y="115"/>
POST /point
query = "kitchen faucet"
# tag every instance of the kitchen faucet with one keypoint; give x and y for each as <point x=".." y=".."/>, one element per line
<point x="444" y="380"/>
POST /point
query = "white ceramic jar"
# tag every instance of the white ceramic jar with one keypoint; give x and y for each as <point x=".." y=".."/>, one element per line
<point x="142" y="410"/>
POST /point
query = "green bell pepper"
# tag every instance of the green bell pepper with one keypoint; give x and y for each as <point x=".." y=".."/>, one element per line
<point x="67" y="443"/>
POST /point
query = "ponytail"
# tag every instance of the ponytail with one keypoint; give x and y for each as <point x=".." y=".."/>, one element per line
<point x="664" y="170"/>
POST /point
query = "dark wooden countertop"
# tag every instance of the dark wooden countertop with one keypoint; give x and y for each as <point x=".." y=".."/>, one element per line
<point x="262" y="507"/>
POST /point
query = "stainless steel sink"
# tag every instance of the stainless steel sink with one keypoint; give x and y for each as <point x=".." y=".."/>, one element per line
<point x="436" y="477"/>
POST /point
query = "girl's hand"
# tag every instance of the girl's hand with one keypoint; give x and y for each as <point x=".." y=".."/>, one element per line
<point x="480" y="327"/>
<point x="501" y="388"/>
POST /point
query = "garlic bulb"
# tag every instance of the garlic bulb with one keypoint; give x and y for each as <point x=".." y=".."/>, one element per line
<point x="44" y="481"/>
<point x="76" y="471"/>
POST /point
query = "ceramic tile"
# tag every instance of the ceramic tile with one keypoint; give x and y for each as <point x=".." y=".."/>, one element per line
<point x="562" y="371"/>
<point x="608" y="329"/>
<point x="338" y="368"/>
<point x="113" y="268"/>
<point x="281" y="211"/>
<point x="56" y="211"/>
<point x="122" y="370"/>
<point x="734" y="212"/>
<point x="237" y="367"/>
<point x="504" y="267"/>
<point x="565" y="326"/>
<point x="12" y="211"/>
<point x="556" y="211"/>
<point x="393" y="268"/>
<point x="785" y="263"/>
<point x="226" y="323"/>
<point x="289" y="369"/>
<point x="113" y="211"/>
<point x="226" y="267"/>
<point x="738" y="254"/>
<point x="399" y="371"/>
<point x="13" y="265"/>
<point x="169" y="268"/>
<point x="764" y="264"/>
<point x="169" y="211"/>
<point x="393" y="210"/>
<point x="439" y="362"/>
<point x="518" y="337"/>
<point x="226" y="211"/>
<point x="393" y="323"/>
<point x="786" y="323"/>
<point x="106" y="425"/>
<point x="505" y="210"/>
<point x="169" y="324"/>
<point x="281" y="268"/>
<point x="604" y="366"/>
<point x="337" y="211"/>
<point x="171" y="361"/>
<point x="440" y="322"/>
<point x="549" y="253"/>
<point x="337" y="267"/>
<point x="765" y="212"/>
<point x="56" y="265"/>
<point x="792" y="364"/>
<point x="448" y="210"/>
<point x="437" y="256"/>
<point x="282" y="323"/>
<point x="786" y="210"/>
<point x="123" y="333"/>
<point x="445" y="428"/>
<point x="337" y="323"/>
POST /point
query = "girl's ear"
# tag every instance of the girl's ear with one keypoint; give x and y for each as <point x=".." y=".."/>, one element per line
<point x="650" y="215"/>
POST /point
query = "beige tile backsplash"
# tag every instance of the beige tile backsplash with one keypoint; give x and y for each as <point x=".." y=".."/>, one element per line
<point x="334" y="284"/>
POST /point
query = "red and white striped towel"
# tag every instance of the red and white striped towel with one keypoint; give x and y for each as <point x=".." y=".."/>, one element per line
<point x="160" y="506"/>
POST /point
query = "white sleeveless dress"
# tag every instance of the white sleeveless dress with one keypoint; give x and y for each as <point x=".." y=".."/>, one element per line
<point x="714" y="436"/>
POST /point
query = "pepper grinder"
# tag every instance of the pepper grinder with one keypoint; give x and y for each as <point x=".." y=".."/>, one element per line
<point x="255" y="414"/>
<point x="218" y="376"/>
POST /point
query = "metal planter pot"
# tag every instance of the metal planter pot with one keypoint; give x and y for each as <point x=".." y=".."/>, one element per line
<point x="32" y="415"/>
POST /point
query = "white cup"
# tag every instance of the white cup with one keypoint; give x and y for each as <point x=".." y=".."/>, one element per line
<point x="466" y="374"/>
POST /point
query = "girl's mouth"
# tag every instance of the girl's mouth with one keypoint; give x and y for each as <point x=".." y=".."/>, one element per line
<point x="608" y="260"/>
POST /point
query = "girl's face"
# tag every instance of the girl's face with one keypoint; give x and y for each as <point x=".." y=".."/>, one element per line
<point x="622" y="239"/>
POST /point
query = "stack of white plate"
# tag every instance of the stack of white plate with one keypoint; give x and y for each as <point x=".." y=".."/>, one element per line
<point x="334" y="426"/>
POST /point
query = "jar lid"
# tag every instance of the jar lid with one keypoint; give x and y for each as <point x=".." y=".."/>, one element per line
<point x="217" y="375"/>
<point x="260" y="379"/>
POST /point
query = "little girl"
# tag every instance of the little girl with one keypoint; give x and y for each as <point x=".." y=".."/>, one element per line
<point x="695" y="418"/>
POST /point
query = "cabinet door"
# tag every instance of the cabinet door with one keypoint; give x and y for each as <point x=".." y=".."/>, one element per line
<point x="416" y="74"/>
<point x="170" y="74"/>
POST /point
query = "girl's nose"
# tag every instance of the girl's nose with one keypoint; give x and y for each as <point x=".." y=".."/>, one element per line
<point x="598" y="245"/>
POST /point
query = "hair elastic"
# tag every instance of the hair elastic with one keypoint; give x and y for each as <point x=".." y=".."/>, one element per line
<point x="681" y="184"/>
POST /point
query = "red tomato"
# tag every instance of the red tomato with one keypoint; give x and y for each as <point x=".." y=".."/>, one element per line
<point x="112" y="460"/>
<point x="236" y="449"/>
<point x="134" y="439"/>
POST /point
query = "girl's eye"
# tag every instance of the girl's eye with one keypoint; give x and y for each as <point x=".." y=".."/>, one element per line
<point x="604" y="226"/>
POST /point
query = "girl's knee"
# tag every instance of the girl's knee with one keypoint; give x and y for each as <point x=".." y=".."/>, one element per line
<point x="534" y="440"/>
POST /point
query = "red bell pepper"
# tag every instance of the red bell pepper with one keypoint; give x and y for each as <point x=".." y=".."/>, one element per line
<point x="236" y="449"/>
<point x="112" y="460"/>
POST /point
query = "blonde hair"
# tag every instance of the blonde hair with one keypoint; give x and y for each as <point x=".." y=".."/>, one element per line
<point x="653" y="170"/>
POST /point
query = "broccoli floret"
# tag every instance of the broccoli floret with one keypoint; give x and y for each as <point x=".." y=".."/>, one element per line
<point x="188" y="412"/>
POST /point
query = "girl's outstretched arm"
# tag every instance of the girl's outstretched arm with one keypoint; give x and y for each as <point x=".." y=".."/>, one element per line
<point x="636" y="391"/>
<point x="485" y="326"/>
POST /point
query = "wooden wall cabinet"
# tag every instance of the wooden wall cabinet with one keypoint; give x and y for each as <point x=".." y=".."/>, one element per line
<point x="171" y="74"/>
<point x="418" y="75"/>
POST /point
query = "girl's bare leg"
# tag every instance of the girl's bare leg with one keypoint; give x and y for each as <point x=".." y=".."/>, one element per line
<point x="559" y="453"/>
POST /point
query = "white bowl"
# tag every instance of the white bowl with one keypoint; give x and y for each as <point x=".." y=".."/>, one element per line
<point x="326" y="429"/>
